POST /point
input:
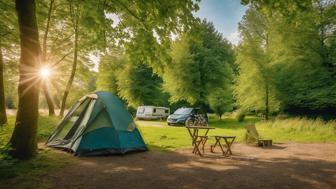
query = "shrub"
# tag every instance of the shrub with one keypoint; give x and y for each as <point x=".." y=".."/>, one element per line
<point x="10" y="104"/>
<point x="240" y="115"/>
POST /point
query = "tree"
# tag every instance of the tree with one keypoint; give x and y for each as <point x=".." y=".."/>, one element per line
<point x="75" y="16"/>
<point x="49" y="6"/>
<point x="201" y="66"/>
<point x="7" y="36"/>
<point x="221" y="101"/>
<point x="143" y="34"/>
<point x="138" y="85"/>
<point x="44" y="59"/>
<point x="305" y="69"/>
<point x="146" y="35"/>
<point x="301" y="51"/>
<point x="55" y="23"/>
<point x="182" y="77"/>
<point x="132" y="81"/>
<point x="3" y="116"/>
<point x="109" y="68"/>
<point x="23" y="140"/>
<point x="254" y="89"/>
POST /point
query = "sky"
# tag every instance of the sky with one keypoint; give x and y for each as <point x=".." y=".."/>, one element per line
<point x="225" y="15"/>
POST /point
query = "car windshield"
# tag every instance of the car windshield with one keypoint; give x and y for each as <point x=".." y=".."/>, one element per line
<point x="183" y="111"/>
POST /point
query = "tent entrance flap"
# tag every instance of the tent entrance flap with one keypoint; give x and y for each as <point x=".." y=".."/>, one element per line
<point x="69" y="125"/>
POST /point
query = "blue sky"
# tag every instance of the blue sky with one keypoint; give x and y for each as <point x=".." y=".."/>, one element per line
<point x="225" y="15"/>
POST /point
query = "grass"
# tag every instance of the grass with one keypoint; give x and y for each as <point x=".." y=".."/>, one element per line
<point x="280" y="131"/>
<point x="172" y="138"/>
<point x="298" y="130"/>
<point x="46" y="126"/>
<point x="26" y="174"/>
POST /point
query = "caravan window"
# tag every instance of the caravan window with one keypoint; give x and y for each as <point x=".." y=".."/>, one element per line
<point x="141" y="110"/>
<point x="166" y="111"/>
<point x="154" y="110"/>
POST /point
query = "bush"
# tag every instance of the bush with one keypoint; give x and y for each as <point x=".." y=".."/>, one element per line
<point x="240" y="115"/>
<point x="10" y="104"/>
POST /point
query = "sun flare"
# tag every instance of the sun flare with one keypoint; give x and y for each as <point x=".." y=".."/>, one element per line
<point x="45" y="72"/>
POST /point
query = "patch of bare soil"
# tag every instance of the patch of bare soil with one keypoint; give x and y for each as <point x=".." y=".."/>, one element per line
<point x="282" y="166"/>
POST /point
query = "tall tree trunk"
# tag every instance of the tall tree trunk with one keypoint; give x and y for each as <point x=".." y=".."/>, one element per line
<point x="266" y="77"/>
<point x="49" y="100"/>
<point x="266" y="101"/>
<point x="44" y="59"/>
<point x="3" y="116"/>
<point x="73" y="71"/>
<point x="23" y="140"/>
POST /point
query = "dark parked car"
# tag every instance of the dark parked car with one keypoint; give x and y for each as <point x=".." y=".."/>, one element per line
<point x="182" y="115"/>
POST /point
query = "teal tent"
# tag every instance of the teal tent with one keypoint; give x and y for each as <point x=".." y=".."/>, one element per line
<point x="97" y="124"/>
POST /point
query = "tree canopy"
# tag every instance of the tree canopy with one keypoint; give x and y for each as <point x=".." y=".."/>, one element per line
<point x="299" y="53"/>
<point x="201" y="66"/>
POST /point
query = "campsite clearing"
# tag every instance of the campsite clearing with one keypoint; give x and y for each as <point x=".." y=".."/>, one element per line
<point x="289" y="165"/>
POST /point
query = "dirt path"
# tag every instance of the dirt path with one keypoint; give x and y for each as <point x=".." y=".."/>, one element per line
<point x="283" y="166"/>
<point x="151" y="123"/>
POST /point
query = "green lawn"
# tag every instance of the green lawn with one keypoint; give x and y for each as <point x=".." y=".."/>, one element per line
<point x="280" y="131"/>
<point x="174" y="137"/>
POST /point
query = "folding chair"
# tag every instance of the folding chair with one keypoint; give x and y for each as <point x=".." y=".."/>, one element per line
<point x="228" y="143"/>
<point x="252" y="135"/>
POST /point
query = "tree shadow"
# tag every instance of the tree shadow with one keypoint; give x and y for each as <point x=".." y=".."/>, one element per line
<point x="182" y="169"/>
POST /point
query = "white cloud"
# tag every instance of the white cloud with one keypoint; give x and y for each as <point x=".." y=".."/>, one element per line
<point x="234" y="38"/>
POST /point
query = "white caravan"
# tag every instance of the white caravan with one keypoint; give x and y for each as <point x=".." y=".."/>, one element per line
<point x="152" y="112"/>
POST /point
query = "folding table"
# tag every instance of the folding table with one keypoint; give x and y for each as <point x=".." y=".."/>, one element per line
<point x="197" y="139"/>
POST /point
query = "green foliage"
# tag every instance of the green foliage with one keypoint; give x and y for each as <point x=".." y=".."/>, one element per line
<point x="240" y="115"/>
<point x="145" y="34"/>
<point x="182" y="77"/>
<point x="254" y="85"/>
<point x="109" y="68"/>
<point x="221" y="101"/>
<point x="134" y="82"/>
<point x="201" y="68"/>
<point x="305" y="70"/>
<point x="290" y="51"/>
<point x="102" y="26"/>
<point x="138" y="85"/>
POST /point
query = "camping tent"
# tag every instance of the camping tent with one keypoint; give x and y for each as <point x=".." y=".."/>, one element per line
<point x="97" y="124"/>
